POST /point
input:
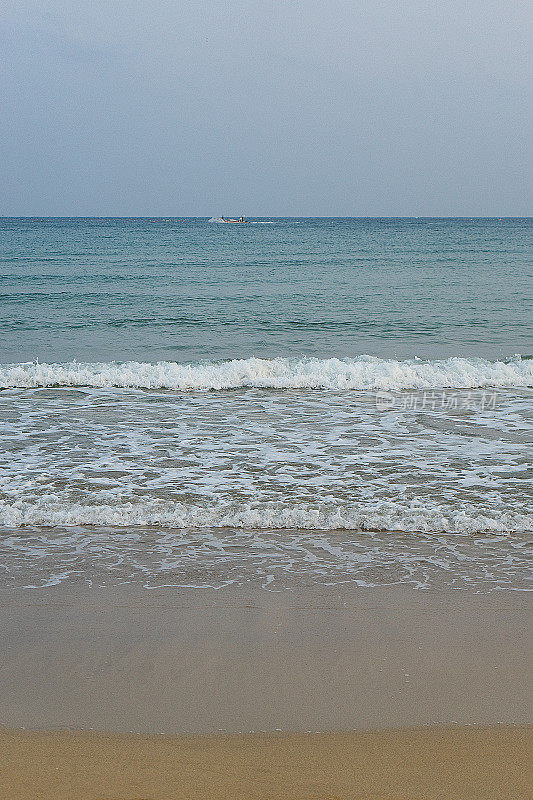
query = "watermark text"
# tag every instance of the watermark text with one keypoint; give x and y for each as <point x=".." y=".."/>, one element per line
<point x="433" y="400"/>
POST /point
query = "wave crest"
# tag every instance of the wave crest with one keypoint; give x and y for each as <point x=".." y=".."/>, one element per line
<point x="362" y="373"/>
<point x="384" y="516"/>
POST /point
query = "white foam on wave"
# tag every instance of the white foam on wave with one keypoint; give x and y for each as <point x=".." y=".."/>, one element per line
<point x="362" y="373"/>
<point x="385" y="516"/>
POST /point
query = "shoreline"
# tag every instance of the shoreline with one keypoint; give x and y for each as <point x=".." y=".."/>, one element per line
<point x="478" y="763"/>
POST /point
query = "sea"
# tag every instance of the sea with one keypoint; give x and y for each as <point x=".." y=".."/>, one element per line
<point x="285" y="403"/>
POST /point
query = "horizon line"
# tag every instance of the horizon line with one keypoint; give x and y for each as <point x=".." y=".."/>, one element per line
<point x="262" y="216"/>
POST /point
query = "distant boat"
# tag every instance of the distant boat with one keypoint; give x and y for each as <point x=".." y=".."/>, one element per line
<point x="239" y="221"/>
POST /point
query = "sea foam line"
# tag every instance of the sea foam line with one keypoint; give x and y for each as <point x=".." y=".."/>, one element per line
<point x="383" y="516"/>
<point x="363" y="373"/>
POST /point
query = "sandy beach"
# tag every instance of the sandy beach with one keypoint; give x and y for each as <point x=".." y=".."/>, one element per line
<point x="239" y="661"/>
<point x="474" y="763"/>
<point x="328" y="693"/>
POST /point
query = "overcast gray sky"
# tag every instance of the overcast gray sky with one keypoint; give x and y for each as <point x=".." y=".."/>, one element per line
<point x="341" y="107"/>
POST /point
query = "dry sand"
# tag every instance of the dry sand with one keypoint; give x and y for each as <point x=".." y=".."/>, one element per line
<point x="444" y="764"/>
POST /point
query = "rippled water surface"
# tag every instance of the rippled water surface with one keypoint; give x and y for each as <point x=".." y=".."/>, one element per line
<point x="184" y="403"/>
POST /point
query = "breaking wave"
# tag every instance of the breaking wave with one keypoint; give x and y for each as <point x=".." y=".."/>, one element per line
<point x="385" y="516"/>
<point x="363" y="373"/>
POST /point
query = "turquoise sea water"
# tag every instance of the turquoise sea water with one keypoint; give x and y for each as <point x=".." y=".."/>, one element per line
<point x="191" y="403"/>
<point x="136" y="289"/>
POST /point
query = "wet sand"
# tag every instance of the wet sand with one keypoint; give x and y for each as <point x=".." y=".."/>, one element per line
<point x="234" y="661"/>
<point x="456" y="764"/>
<point x="228" y="662"/>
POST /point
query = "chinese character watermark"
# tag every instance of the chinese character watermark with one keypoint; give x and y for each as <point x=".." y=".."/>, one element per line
<point x="432" y="400"/>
